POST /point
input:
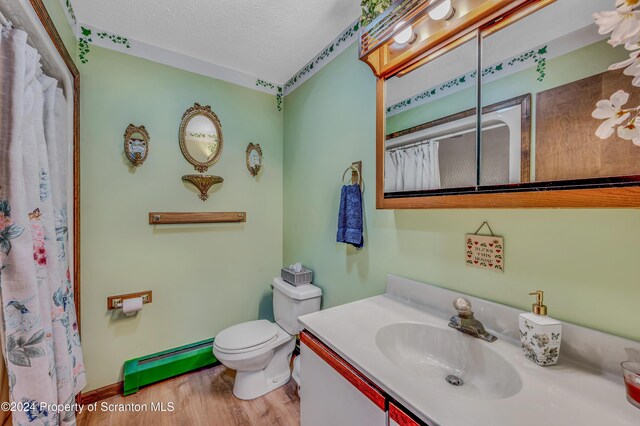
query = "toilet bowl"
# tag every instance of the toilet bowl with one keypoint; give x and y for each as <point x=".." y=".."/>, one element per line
<point x="260" y="351"/>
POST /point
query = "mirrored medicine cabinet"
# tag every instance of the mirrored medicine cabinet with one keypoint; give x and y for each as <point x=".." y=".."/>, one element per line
<point x="494" y="105"/>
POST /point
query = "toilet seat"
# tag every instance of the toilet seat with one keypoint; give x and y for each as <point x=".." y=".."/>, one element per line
<point x="246" y="337"/>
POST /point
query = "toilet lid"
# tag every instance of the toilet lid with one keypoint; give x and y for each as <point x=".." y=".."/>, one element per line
<point x="246" y="335"/>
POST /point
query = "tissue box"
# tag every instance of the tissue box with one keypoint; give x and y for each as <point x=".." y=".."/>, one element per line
<point x="297" y="278"/>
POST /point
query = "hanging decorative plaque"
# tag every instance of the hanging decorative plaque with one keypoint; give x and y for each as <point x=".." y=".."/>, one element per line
<point x="484" y="251"/>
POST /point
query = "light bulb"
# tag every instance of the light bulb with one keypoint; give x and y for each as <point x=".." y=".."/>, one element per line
<point x="444" y="10"/>
<point x="405" y="36"/>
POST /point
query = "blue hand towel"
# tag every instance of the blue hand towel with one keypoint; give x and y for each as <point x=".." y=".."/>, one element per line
<point x="350" y="216"/>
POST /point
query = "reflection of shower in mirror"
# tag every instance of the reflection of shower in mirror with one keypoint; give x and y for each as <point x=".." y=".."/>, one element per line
<point x="446" y="153"/>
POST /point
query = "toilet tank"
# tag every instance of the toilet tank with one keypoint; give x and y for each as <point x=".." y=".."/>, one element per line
<point x="291" y="302"/>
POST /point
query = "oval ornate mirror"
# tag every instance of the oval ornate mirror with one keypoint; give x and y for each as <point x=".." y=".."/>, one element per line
<point x="254" y="159"/>
<point x="136" y="144"/>
<point x="201" y="137"/>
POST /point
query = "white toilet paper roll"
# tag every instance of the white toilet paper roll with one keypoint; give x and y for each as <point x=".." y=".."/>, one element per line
<point x="131" y="306"/>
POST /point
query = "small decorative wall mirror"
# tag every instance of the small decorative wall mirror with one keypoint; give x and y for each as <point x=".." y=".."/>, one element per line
<point x="136" y="144"/>
<point x="201" y="137"/>
<point x="254" y="159"/>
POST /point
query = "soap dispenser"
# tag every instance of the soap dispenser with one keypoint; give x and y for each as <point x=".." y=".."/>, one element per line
<point x="540" y="335"/>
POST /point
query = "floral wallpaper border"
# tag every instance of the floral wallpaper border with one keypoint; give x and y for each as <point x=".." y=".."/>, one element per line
<point x="69" y="8"/>
<point x="70" y="14"/>
<point x="277" y="89"/>
<point x="86" y="37"/>
<point x="324" y="57"/>
<point x="83" y="44"/>
<point x="514" y="64"/>
<point x="115" y="38"/>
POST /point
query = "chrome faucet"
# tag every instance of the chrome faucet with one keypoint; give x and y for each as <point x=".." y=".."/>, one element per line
<point x="466" y="322"/>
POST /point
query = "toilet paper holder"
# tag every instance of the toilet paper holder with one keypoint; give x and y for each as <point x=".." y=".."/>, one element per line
<point x="115" y="302"/>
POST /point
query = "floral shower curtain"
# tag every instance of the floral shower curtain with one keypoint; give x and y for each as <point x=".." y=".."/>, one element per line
<point x="40" y="339"/>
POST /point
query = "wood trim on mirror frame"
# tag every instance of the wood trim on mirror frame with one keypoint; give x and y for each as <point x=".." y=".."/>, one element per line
<point x="47" y="23"/>
<point x="49" y="26"/>
<point x="613" y="192"/>
<point x="491" y="12"/>
<point x="510" y="14"/>
<point x="605" y="193"/>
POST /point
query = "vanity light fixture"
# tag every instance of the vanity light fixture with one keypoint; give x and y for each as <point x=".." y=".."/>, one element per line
<point x="444" y="10"/>
<point x="406" y="36"/>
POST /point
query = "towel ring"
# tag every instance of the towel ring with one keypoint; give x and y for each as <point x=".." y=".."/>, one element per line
<point x="354" y="169"/>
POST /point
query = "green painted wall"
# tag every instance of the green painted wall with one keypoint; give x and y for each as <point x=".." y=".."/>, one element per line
<point x="585" y="259"/>
<point x="208" y="277"/>
<point x="204" y="277"/>
<point x="62" y="25"/>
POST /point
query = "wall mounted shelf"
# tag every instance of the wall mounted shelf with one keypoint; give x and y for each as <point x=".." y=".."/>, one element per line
<point x="168" y="218"/>
<point x="203" y="183"/>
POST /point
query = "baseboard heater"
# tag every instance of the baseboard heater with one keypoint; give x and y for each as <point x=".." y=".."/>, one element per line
<point x="139" y="372"/>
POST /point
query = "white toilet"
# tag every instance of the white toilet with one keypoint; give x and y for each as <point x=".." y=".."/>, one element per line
<point x="260" y="350"/>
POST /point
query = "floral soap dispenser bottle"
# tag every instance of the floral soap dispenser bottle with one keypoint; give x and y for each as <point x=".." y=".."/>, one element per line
<point x="540" y="335"/>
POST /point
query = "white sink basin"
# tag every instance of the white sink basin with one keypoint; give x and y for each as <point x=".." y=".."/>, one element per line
<point x="429" y="354"/>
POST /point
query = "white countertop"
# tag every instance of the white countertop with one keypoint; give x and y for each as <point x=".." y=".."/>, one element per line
<point x="564" y="394"/>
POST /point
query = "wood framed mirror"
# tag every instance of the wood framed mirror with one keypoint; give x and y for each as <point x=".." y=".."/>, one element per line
<point x="439" y="95"/>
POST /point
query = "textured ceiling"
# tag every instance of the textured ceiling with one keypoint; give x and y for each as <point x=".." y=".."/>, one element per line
<point x="269" y="39"/>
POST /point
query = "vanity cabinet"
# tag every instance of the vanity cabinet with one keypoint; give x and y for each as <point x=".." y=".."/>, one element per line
<point x="333" y="392"/>
<point x="399" y="417"/>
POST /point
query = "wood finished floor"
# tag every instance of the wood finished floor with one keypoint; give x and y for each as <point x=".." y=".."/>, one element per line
<point x="201" y="398"/>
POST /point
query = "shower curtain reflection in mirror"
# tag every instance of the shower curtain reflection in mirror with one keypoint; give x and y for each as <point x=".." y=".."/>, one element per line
<point x="441" y="154"/>
<point x="413" y="168"/>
